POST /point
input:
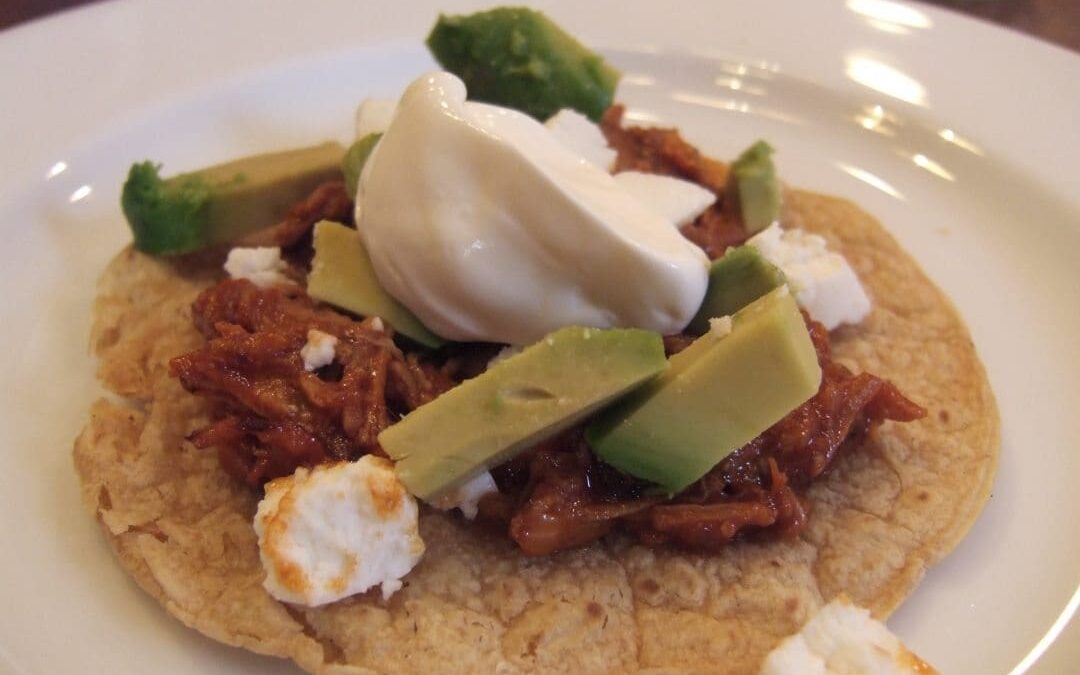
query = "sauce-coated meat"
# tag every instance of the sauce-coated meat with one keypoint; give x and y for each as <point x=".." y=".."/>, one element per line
<point x="664" y="151"/>
<point x="277" y="416"/>
<point x="563" y="501"/>
<point x="329" y="201"/>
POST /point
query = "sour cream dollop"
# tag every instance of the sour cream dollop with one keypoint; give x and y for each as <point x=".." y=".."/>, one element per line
<point x="488" y="228"/>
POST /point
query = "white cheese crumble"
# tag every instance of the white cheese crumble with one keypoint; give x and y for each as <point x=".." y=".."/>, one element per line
<point x="466" y="496"/>
<point x="261" y="266"/>
<point x="679" y="201"/>
<point x="720" y="327"/>
<point x="377" y="324"/>
<point x="579" y="134"/>
<point x="335" y="530"/>
<point x="822" y="280"/>
<point x="319" y="350"/>
<point x="842" y="639"/>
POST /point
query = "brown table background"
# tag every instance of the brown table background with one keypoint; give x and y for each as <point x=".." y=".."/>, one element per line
<point x="1056" y="21"/>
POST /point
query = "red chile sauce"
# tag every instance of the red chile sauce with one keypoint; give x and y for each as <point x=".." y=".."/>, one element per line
<point x="273" y="416"/>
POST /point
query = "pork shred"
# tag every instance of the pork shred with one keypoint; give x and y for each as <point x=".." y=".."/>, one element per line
<point x="664" y="151"/>
<point x="273" y="415"/>
<point x="329" y="201"/>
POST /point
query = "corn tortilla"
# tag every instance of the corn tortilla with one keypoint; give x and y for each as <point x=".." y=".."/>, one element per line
<point x="883" y="515"/>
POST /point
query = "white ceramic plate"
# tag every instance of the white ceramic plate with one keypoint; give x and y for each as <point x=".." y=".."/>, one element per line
<point x="959" y="136"/>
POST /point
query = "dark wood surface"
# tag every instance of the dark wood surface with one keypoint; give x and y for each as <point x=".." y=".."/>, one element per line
<point x="1056" y="21"/>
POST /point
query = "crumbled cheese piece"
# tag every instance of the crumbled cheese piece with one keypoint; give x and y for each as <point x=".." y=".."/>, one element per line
<point x="822" y="280"/>
<point x="319" y="350"/>
<point x="680" y="201"/>
<point x="374" y="116"/>
<point x="335" y="530"/>
<point x="377" y="324"/>
<point x="466" y="496"/>
<point x="261" y="266"/>
<point x="720" y="327"/>
<point x="842" y="639"/>
<point x="505" y="353"/>
<point x="578" y="133"/>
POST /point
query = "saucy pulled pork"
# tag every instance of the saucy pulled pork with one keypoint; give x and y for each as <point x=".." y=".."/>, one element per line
<point x="274" y="416"/>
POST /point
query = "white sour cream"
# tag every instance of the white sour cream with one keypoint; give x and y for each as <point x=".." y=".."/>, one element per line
<point x="485" y="226"/>
<point x="581" y="135"/>
<point x="680" y="201"/>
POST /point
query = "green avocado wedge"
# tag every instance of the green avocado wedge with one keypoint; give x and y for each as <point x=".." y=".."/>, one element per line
<point x="220" y="204"/>
<point x="342" y="275"/>
<point x="753" y="177"/>
<point x="736" y="279"/>
<point x="518" y="58"/>
<point x="718" y="394"/>
<point x="517" y="403"/>
<point x="355" y="159"/>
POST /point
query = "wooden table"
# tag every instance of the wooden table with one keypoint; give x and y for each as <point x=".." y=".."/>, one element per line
<point x="1056" y="21"/>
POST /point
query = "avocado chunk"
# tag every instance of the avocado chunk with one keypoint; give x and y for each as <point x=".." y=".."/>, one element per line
<point x="739" y="277"/>
<point x="342" y="275"/>
<point x="221" y="203"/>
<point x="718" y="394"/>
<point x="517" y="403"/>
<point x="753" y="183"/>
<point x="355" y="158"/>
<point x="519" y="58"/>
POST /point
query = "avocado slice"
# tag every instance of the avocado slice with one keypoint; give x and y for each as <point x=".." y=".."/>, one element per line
<point x="355" y="158"/>
<point x="736" y="279"/>
<point x="221" y="203"/>
<point x="342" y="275"/>
<point x="757" y="191"/>
<point x="719" y="393"/>
<point x="517" y="403"/>
<point x="519" y="58"/>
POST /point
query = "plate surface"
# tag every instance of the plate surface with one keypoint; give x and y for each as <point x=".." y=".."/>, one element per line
<point x="958" y="136"/>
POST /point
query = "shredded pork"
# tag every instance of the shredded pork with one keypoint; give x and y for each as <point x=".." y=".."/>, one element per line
<point x="329" y="201"/>
<point x="274" y="416"/>
<point x="664" y="151"/>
